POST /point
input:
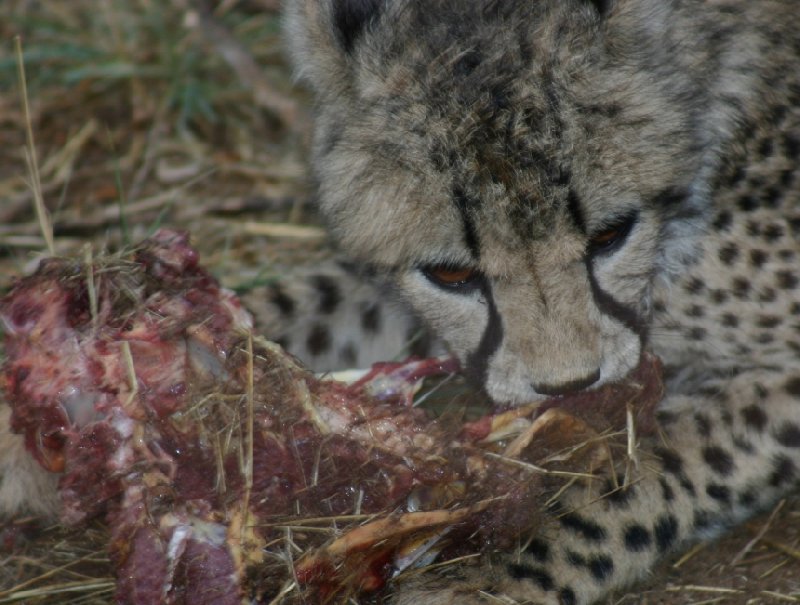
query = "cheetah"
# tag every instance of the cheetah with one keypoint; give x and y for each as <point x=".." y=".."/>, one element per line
<point x="554" y="187"/>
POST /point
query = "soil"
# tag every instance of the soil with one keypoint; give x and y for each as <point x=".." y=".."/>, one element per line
<point x="755" y="563"/>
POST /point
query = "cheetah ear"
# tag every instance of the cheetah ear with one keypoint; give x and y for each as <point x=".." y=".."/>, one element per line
<point x="603" y="6"/>
<point x="322" y="34"/>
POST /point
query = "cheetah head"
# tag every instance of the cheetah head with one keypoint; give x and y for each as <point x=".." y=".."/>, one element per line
<point x="522" y="172"/>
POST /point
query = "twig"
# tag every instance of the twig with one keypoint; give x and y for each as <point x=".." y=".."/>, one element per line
<point x="127" y="357"/>
<point x="14" y="592"/>
<point x="699" y="588"/>
<point x="90" y="286"/>
<point x="248" y="468"/>
<point x="749" y="546"/>
<point x="633" y="458"/>
<point x="780" y="596"/>
<point x="538" y="469"/>
<point x="696" y="549"/>
<point x="30" y="154"/>
<point x="787" y="550"/>
<point x="283" y="230"/>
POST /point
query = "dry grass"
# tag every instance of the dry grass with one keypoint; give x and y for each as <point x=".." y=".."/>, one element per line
<point x="148" y="112"/>
<point x="139" y="120"/>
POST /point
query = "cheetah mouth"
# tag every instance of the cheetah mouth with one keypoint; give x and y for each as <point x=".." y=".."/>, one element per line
<point x="616" y="405"/>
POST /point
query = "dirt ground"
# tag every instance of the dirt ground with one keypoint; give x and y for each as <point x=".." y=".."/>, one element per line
<point x="181" y="113"/>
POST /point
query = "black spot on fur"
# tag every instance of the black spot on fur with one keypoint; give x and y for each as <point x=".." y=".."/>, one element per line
<point x="672" y="200"/>
<point x="566" y="596"/>
<point x="602" y="6"/>
<point x="718" y="459"/>
<point x="616" y="495"/>
<point x="791" y="146"/>
<point x="467" y="63"/>
<point x="766" y="147"/>
<point x="637" y="538"/>
<point x="702" y="519"/>
<point x="737" y="176"/>
<point x="576" y="559"/>
<point x="606" y="110"/>
<point x="729" y="320"/>
<point x="794" y="225"/>
<point x="319" y="340"/>
<point x="520" y="571"/>
<point x="767" y="295"/>
<point x="329" y="296"/>
<point x="666" y="531"/>
<point x="773" y="232"/>
<point x="747" y="203"/>
<point x="348" y="354"/>
<point x="765" y="338"/>
<point x="786" y="280"/>
<point x="666" y="417"/>
<point x="720" y="493"/>
<point x="539" y="550"/>
<point x="695" y="311"/>
<point x="792" y="386"/>
<point x="787" y="256"/>
<point x="280" y="299"/>
<point x="740" y="286"/>
<point x="667" y="493"/>
<point x="723" y="221"/>
<point x="371" y="318"/>
<point x="601" y="567"/>
<point x="783" y="472"/>
<point x="753" y="228"/>
<point x="670" y="461"/>
<point x="696" y="333"/>
<point x="352" y="17"/>
<point x="758" y="258"/>
<point x="748" y="497"/>
<point x="788" y="435"/>
<point x="695" y="286"/>
<point x="718" y="296"/>
<point x="703" y="424"/>
<point x="711" y="391"/>
<point x="589" y="530"/>
<point x="754" y="417"/>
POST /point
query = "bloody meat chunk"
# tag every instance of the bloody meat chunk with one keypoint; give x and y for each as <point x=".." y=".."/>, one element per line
<point x="224" y="469"/>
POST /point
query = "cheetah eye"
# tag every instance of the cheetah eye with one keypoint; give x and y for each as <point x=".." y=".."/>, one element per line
<point x="450" y="276"/>
<point x="611" y="238"/>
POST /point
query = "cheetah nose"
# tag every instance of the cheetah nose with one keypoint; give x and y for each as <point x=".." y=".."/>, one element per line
<point x="571" y="386"/>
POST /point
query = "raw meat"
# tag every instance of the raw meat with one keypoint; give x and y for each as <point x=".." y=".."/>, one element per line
<point x="228" y="473"/>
